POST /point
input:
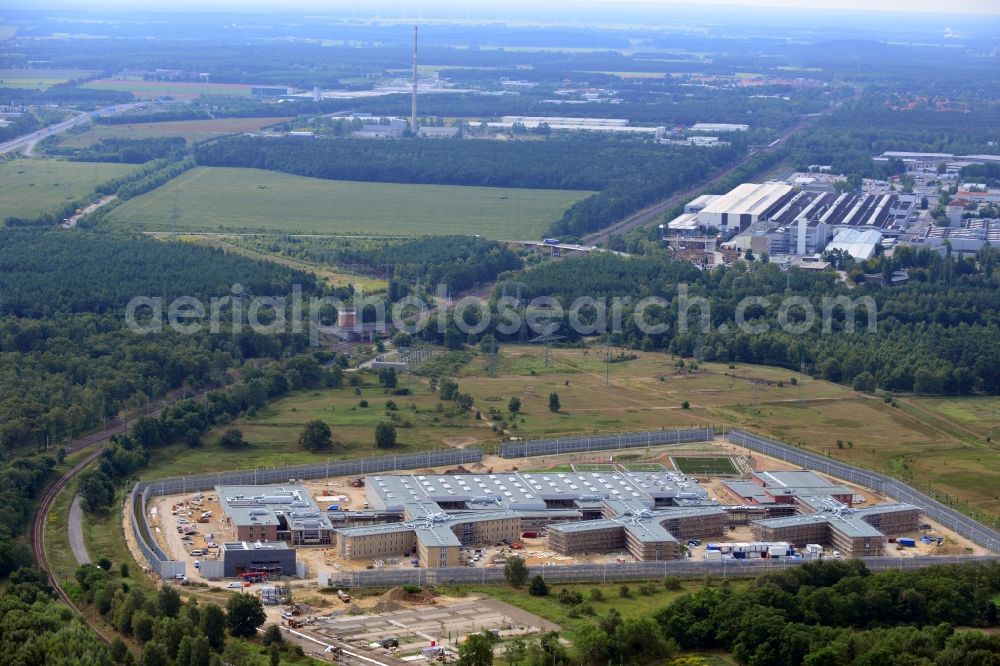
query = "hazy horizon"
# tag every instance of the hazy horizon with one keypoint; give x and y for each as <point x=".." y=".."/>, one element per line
<point x="463" y="10"/>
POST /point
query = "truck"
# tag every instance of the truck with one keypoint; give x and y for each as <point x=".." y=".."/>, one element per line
<point x="344" y="596"/>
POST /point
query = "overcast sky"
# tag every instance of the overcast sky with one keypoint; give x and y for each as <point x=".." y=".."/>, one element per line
<point x="466" y="7"/>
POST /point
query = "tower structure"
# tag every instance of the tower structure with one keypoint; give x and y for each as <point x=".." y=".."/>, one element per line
<point x="413" y="102"/>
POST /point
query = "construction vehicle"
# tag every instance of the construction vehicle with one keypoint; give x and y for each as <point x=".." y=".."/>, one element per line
<point x="295" y="609"/>
<point x="344" y="596"/>
<point x="293" y="623"/>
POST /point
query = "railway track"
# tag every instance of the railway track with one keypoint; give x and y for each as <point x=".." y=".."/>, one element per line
<point x="38" y="536"/>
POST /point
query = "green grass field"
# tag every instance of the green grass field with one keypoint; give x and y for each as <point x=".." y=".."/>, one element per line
<point x="177" y="89"/>
<point x="192" y="130"/>
<point x="30" y="187"/>
<point x="39" y="79"/>
<point x="226" y="199"/>
<point x="707" y="465"/>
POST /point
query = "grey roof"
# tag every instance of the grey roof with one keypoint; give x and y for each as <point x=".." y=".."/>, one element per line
<point x="255" y="545"/>
<point x="516" y="491"/>
<point x="848" y="521"/>
<point x="267" y="505"/>
<point x="477" y="497"/>
<point x="799" y="483"/>
<point x="749" y="490"/>
<point x="642" y="523"/>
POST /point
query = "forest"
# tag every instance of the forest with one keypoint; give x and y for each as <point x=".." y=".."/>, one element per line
<point x="866" y="127"/>
<point x="460" y="262"/>
<point x="628" y="175"/>
<point x="935" y="335"/>
<point x="838" y="613"/>
<point x="67" y="361"/>
<point x="127" y="151"/>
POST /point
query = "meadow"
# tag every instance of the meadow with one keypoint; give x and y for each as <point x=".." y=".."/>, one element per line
<point x="176" y="89"/>
<point x="193" y="131"/>
<point x="30" y="187"/>
<point x="645" y="392"/>
<point x="231" y="199"/>
<point x="39" y="79"/>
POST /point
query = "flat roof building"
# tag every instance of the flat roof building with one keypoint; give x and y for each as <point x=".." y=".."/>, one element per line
<point x="275" y="513"/>
<point x="854" y="532"/>
<point x="444" y="512"/>
<point x="275" y="559"/>
<point x="858" y="243"/>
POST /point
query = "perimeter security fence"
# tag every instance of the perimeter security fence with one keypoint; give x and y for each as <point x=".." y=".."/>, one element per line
<point x="885" y="485"/>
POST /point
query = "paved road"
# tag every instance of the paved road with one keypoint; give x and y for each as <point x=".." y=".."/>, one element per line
<point x="28" y="141"/>
<point x="76" y="532"/>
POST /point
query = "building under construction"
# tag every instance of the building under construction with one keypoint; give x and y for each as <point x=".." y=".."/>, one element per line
<point x="853" y="532"/>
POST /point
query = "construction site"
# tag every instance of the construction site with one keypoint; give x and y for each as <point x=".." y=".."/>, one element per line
<point x="598" y="511"/>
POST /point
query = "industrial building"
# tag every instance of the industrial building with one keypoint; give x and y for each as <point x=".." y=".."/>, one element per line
<point x="777" y="218"/>
<point x="581" y="512"/>
<point x="274" y="559"/>
<point x="719" y="127"/>
<point x="970" y="237"/>
<point x="858" y="243"/>
<point x="620" y="125"/>
<point x="275" y="513"/>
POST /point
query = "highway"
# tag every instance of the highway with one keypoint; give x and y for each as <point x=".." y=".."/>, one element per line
<point x="28" y="141"/>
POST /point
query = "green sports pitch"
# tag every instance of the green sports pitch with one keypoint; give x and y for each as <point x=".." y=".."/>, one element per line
<point x="222" y="199"/>
<point x="707" y="465"/>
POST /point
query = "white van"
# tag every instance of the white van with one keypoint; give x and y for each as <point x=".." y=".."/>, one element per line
<point x="197" y="552"/>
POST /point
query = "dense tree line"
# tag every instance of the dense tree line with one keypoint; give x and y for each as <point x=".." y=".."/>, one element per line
<point x="628" y="174"/>
<point x="837" y="613"/>
<point x="47" y="273"/>
<point x="123" y="150"/>
<point x="65" y="95"/>
<point x="187" y="420"/>
<point x="848" y="138"/>
<point x="935" y="335"/>
<point x="456" y="261"/>
<point x="67" y="360"/>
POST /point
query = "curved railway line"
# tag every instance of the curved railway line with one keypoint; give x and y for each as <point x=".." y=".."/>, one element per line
<point x="38" y="534"/>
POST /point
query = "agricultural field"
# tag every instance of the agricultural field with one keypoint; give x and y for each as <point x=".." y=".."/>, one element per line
<point x="705" y="466"/>
<point x="30" y="187"/>
<point x="193" y="131"/>
<point x="229" y="199"/>
<point x="39" y="79"/>
<point x="176" y="89"/>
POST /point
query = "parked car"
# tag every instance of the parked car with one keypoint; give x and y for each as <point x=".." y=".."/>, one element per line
<point x="234" y="585"/>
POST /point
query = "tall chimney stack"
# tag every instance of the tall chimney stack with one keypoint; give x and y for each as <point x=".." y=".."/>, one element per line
<point x="413" y="104"/>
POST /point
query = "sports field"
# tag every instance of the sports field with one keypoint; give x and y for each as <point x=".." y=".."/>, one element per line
<point x="39" y="79"/>
<point x="228" y="199"/>
<point x="707" y="465"/>
<point x="176" y="89"/>
<point x="191" y="130"/>
<point x="30" y="187"/>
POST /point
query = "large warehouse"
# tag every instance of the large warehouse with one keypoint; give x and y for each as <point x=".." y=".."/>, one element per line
<point x="784" y="220"/>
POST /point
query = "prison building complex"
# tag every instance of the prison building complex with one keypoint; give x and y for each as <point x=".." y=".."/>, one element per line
<point x="647" y="535"/>
<point x="854" y="532"/>
<point x="444" y="513"/>
<point x="275" y="513"/>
